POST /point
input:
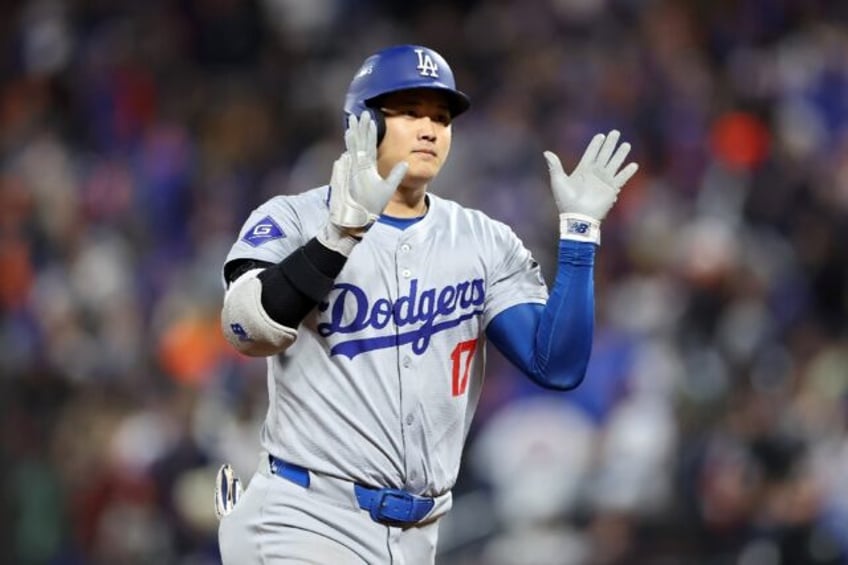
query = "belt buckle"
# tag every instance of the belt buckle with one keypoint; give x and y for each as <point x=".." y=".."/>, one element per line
<point x="392" y="507"/>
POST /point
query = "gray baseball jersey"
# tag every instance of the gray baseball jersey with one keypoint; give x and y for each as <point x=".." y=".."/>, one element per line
<point x="383" y="380"/>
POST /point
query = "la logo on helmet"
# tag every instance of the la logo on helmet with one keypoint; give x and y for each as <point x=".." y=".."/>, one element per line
<point x="426" y="66"/>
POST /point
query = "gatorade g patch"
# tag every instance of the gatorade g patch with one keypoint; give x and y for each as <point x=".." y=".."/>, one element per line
<point x="262" y="231"/>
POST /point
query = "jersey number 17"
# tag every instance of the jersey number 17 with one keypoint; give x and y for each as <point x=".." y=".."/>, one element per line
<point x="461" y="356"/>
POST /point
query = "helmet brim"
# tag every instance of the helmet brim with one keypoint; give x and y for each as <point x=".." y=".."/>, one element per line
<point x="458" y="102"/>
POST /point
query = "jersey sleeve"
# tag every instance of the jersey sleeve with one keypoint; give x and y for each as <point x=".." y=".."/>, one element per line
<point x="515" y="278"/>
<point x="271" y="233"/>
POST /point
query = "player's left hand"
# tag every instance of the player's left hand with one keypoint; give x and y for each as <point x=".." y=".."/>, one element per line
<point x="584" y="197"/>
<point x="593" y="187"/>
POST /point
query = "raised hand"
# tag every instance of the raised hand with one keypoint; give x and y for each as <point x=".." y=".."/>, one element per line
<point x="591" y="190"/>
<point x="359" y="194"/>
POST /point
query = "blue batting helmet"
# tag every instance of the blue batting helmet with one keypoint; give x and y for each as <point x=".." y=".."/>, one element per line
<point x="402" y="67"/>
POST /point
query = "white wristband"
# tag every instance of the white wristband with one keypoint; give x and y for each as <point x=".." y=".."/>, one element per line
<point x="579" y="228"/>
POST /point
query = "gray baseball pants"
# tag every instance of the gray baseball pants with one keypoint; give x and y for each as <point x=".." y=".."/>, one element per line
<point x="277" y="521"/>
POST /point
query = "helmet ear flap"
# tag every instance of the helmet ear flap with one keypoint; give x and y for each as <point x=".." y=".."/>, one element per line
<point x="380" y="122"/>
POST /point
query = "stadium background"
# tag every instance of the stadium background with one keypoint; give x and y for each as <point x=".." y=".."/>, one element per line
<point x="135" y="137"/>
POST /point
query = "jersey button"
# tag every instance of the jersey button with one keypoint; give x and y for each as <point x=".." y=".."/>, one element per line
<point x="406" y="273"/>
<point x="405" y="248"/>
<point x="407" y="362"/>
<point x="409" y="419"/>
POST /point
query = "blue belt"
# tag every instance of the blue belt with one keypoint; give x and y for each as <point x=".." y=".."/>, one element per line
<point x="393" y="507"/>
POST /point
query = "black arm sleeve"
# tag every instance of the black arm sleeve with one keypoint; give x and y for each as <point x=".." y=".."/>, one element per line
<point x="292" y="287"/>
<point x="237" y="267"/>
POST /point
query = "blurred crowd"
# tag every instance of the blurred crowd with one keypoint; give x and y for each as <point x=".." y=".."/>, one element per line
<point x="712" y="428"/>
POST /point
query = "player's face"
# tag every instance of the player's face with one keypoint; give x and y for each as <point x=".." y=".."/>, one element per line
<point x="418" y="131"/>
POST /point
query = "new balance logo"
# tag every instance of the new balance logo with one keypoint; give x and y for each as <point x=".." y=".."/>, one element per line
<point x="426" y="67"/>
<point x="579" y="227"/>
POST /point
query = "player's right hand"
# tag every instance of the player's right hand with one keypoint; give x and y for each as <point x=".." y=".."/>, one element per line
<point x="358" y="192"/>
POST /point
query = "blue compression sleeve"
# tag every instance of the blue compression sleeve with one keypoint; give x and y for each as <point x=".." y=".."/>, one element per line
<point x="551" y="344"/>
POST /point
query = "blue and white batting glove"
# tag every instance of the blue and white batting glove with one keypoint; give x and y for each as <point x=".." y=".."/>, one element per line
<point x="584" y="197"/>
<point x="227" y="490"/>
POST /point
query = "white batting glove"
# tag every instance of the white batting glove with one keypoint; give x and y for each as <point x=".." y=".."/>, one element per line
<point x="584" y="197"/>
<point x="358" y="193"/>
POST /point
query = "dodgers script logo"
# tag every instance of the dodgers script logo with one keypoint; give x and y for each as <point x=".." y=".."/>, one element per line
<point x="418" y="316"/>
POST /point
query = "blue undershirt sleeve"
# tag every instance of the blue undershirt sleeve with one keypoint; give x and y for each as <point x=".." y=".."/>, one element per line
<point x="552" y="343"/>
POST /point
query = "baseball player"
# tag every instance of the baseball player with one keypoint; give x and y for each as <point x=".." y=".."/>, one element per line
<point x="373" y="301"/>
